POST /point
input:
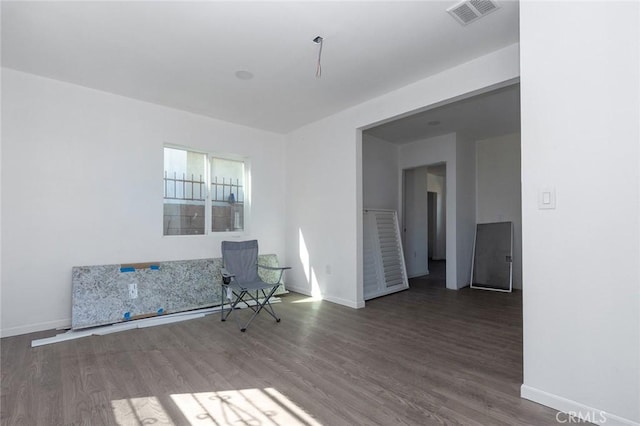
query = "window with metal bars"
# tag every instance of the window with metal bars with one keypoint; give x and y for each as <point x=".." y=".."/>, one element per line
<point x="203" y="193"/>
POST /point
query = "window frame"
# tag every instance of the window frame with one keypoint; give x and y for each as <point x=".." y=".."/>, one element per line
<point x="208" y="204"/>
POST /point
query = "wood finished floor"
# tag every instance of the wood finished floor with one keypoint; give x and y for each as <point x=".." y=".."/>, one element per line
<point x="420" y="357"/>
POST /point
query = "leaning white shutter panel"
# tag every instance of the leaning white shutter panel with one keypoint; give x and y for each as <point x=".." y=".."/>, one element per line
<point x="384" y="268"/>
<point x="370" y="274"/>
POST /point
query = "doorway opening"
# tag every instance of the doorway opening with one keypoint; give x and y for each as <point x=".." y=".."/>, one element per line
<point x="424" y="221"/>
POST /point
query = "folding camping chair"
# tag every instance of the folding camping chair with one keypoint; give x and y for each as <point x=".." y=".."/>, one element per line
<point x="240" y="279"/>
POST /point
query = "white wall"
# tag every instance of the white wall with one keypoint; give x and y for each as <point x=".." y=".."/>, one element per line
<point x="382" y="189"/>
<point x="580" y="100"/>
<point x="437" y="184"/>
<point x="457" y="250"/>
<point x="82" y="185"/>
<point x="321" y="212"/>
<point x="498" y="190"/>
<point x="1" y="291"/>
<point x="465" y="206"/>
<point x="329" y="153"/>
<point x="379" y="173"/>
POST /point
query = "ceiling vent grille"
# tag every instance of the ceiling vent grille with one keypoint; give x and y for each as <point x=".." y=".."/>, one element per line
<point x="471" y="10"/>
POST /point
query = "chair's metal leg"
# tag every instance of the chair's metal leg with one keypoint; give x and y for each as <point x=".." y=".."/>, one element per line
<point x="232" y="305"/>
<point x="222" y="292"/>
<point x="239" y="297"/>
<point x="267" y="304"/>
<point x="260" y="306"/>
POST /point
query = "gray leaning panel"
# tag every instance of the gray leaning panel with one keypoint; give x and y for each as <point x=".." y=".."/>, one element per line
<point x="492" y="256"/>
<point x="100" y="294"/>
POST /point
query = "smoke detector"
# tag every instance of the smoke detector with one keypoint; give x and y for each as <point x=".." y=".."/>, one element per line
<point x="469" y="11"/>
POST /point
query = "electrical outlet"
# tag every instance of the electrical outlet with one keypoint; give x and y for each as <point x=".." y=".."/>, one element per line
<point x="133" y="290"/>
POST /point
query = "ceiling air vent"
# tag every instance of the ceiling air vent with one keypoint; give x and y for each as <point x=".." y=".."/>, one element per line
<point x="470" y="10"/>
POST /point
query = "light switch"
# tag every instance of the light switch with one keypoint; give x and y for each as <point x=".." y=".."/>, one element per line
<point x="547" y="198"/>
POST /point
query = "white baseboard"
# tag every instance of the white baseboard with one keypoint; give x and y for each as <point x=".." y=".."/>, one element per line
<point x="300" y="290"/>
<point x="419" y="274"/>
<point x="31" y="328"/>
<point x="576" y="409"/>
<point x="344" y="302"/>
<point x="337" y="300"/>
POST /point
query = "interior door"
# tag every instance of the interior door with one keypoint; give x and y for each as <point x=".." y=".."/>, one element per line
<point x="432" y="219"/>
<point x="415" y="221"/>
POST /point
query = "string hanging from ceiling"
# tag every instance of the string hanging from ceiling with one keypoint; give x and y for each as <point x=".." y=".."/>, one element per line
<point x="319" y="40"/>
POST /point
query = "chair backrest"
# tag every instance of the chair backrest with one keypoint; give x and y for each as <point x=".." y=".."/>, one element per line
<point x="241" y="259"/>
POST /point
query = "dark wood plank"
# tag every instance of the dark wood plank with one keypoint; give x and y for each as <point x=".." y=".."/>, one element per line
<point x="423" y="356"/>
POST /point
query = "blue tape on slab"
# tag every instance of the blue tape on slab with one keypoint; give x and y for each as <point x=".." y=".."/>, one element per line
<point x="160" y="311"/>
<point x="127" y="316"/>
<point x="154" y="267"/>
<point x="128" y="269"/>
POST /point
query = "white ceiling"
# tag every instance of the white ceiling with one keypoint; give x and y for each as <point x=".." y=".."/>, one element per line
<point x="479" y="117"/>
<point x="184" y="54"/>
